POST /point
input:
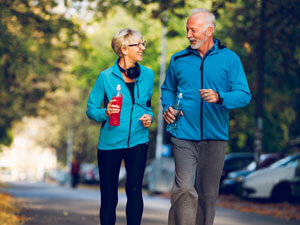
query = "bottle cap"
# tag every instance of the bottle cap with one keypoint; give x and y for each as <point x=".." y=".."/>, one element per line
<point x="180" y="95"/>
<point x="118" y="87"/>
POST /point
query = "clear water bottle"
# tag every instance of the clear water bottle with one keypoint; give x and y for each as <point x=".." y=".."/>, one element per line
<point x="177" y="111"/>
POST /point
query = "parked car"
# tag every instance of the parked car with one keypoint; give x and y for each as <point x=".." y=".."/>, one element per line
<point x="62" y="177"/>
<point x="273" y="182"/>
<point x="89" y="173"/>
<point x="159" y="175"/>
<point x="92" y="176"/>
<point x="295" y="183"/>
<point x="232" y="184"/>
<point x="236" y="161"/>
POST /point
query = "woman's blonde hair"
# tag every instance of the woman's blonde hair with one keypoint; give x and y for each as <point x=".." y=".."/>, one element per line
<point x="122" y="39"/>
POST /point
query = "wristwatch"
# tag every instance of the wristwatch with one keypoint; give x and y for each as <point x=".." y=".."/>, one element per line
<point x="220" y="101"/>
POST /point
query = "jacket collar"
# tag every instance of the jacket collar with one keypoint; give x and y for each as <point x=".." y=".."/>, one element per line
<point x="214" y="49"/>
<point x="116" y="71"/>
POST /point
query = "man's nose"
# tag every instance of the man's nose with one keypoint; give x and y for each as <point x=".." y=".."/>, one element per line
<point x="188" y="34"/>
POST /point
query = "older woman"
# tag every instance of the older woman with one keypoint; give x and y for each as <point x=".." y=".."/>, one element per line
<point x="129" y="140"/>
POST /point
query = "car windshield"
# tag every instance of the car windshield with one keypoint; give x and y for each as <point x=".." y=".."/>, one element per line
<point x="251" y="166"/>
<point x="281" y="162"/>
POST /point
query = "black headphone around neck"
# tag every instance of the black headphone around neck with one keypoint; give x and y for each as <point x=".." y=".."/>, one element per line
<point x="131" y="72"/>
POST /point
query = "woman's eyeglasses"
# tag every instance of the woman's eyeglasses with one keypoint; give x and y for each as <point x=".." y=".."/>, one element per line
<point x="140" y="45"/>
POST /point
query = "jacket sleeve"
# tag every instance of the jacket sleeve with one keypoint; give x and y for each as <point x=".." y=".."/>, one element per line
<point x="169" y="87"/>
<point x="239" y="94"/>
<point x="94" y="110"/>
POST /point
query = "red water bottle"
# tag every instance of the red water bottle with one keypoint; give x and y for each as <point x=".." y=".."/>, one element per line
<point x="115" y="117"/>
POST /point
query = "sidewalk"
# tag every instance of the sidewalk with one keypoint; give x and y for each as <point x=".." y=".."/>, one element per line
<point x="51" y="204"/>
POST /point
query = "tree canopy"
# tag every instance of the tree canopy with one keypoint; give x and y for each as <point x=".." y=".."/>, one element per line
<point x="33" y="38"/>
<point x="50" y="61"/>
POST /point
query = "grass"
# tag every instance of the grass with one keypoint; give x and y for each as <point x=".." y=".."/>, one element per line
<point x="9" y="211"/>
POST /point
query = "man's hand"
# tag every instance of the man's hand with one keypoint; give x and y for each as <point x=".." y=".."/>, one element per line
<point x="168" y="115"/>
<point x="209" y="95"/>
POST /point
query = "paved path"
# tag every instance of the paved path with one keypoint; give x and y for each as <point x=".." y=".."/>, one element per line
<point x="49" y="204"/>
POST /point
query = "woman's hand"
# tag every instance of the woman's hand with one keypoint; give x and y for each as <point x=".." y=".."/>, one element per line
<point x="146" y="120"/>
<point x="111" y="108"/>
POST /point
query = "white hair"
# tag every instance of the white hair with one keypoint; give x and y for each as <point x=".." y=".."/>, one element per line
<point x="210" y="18"/>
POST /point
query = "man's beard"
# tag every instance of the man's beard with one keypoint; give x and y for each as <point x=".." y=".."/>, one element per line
<point x="199" y="43"/>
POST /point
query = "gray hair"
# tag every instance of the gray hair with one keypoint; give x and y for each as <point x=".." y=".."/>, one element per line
<point x="122" y="39"/>
<point x="210" y="19"/>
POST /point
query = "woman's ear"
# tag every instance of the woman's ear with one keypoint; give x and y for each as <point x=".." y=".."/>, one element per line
<point x="124" y="51"/>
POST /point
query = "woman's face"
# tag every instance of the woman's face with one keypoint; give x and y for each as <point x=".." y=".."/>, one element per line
<point x="134" y="51"/>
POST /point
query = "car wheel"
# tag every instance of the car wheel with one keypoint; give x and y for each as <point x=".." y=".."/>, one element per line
<point x="281" y="192"/>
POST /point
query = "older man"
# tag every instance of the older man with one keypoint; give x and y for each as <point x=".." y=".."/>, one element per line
<point x="212" y="81"/>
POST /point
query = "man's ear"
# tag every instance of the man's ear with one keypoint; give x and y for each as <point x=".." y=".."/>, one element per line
<point x="209" y="31"/>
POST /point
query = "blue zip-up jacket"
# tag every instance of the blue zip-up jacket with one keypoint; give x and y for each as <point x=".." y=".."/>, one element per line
<point x="131" y="131"/>
<point x="220" y="69"/>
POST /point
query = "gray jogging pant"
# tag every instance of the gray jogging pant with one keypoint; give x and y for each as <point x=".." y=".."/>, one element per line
<point x="198" y="167"/>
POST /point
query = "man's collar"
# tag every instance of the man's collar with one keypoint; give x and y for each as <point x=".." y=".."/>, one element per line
<point x="217" y="45"/>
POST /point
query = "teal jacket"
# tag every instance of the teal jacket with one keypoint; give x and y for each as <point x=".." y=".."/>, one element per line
<point x="131" y="131"/>
<point x="221" y="70"/>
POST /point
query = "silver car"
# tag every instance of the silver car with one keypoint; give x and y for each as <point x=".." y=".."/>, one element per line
<point x="272" y="182"/>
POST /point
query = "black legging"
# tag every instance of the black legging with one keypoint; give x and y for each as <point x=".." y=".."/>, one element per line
<point x="109" y="162"/>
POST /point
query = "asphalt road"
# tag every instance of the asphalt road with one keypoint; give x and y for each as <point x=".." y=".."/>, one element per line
<point x="50" y="204"/>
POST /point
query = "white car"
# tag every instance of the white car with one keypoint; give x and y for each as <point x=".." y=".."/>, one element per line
<point x="272" y="182"/>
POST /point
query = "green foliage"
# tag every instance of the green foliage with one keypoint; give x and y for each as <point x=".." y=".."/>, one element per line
<point x="32" y="40"/>
<point x="239" y="28"/>
<point x="48" y="68"/>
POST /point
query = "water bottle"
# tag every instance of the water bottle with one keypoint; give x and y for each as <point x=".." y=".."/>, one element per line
<point x="114" y="119"/>
<point x="177" y="111"/>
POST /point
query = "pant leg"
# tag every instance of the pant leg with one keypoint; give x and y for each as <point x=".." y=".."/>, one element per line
<point x="135" y="162"/>
<point x="75" y="179"/>
<point x="211" y="155"/>
<point x="109" y="162"/>
<point x="183" y="195"/>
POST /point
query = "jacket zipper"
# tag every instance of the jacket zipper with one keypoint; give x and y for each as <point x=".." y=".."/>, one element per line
<point x="131" y="112"/>
<point x="201" y="68"/>
<point x="201" y="110"/>
<point x="137" y="85"/>
<point x="130" y="126"/>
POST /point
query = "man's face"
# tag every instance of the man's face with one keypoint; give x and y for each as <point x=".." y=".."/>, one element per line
<point x="195" y="31"/>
